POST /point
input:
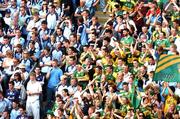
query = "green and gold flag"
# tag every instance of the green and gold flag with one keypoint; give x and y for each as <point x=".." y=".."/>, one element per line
<point x="168" y="69"/>
<point x="135" y="99"/>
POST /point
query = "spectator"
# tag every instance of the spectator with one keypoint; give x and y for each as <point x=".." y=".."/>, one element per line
<point x="5" y="46"/>
<point x="34" y="89"/>
<point x="83" y="70"/>
<point x="53" y="77"/>
<point x="44" y="33"/>
<point x="26" y="60"/>
<point x="35" y="22"/>
<point x="23" y="114"/>
<point x="17" y="39"/>
<point x="51" y="18"/>
<point x="15" y="110"/>
<point x="81" y="32"/>
<point x="62" y="85"/>
<point x="45" y="61"/>
<point x="59" y="35"/>
<point x="44" y="10"/>
<point x="5" y="104"/>
<point x="5" y="115"/>
<point x="12" y="94"/>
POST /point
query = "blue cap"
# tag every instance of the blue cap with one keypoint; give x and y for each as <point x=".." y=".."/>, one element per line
<point x="8" y="11"/>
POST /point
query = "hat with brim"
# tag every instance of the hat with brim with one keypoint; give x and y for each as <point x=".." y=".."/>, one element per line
<point x="22" y="66"/>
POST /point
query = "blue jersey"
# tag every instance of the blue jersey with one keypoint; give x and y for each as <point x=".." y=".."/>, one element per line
<point x="23" y="117"/>
<point x="83" y="34"/>
<point x="12" y="95"/>
<point x="55" y="76"/>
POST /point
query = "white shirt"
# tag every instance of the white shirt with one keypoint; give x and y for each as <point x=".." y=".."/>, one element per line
<point x="126" y="77"/>
<point x="32" y="24"/>
<point x="45" y="60"/>
<point x="58" y="11"/>
<point x="51" y="21"/>
<point x="77" y="94"/>
<point x="5" y="48"/>
<point x="8" y="69"/>
<point x="150" y="67"/>
<point x="72" y="89"/>
<point x="60" y="88"/>
<point x="177" y="42"/>
<point x="1" y="39"/>
<point x="34" y="87"/>
<point x="67" y="32"/>
<point x="71" y="69"/>
<point x="119" y="26"/>
<point x="177" y="92"/>
<point x="7" y="20"/>
<point x="112" y="42"/>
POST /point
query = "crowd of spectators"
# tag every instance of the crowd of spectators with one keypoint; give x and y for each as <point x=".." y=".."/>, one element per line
<point x="58" y="61"/>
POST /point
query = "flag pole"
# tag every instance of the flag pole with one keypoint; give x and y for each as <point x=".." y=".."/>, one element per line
<point x="161" y="7"/>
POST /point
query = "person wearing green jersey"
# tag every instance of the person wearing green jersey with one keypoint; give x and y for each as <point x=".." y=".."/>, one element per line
<point x="127" y="40"/>
<point x="162" y="41"/>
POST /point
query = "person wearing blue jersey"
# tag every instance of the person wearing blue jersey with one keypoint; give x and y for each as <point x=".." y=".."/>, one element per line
<point x="11" y="93"/>
<point x="53" y="77"/>
<point x="82" y="35"/>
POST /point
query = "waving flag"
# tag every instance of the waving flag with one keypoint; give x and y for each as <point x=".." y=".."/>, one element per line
<point x="134" y="97"/>
<point x="168" y="69"/>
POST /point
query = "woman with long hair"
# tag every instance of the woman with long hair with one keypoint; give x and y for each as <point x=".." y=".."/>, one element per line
<point x="44" y="10"/>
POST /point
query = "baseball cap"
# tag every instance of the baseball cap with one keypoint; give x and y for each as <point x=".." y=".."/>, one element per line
<point x="125" y="12"/>
<point x="8" y="11"/>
